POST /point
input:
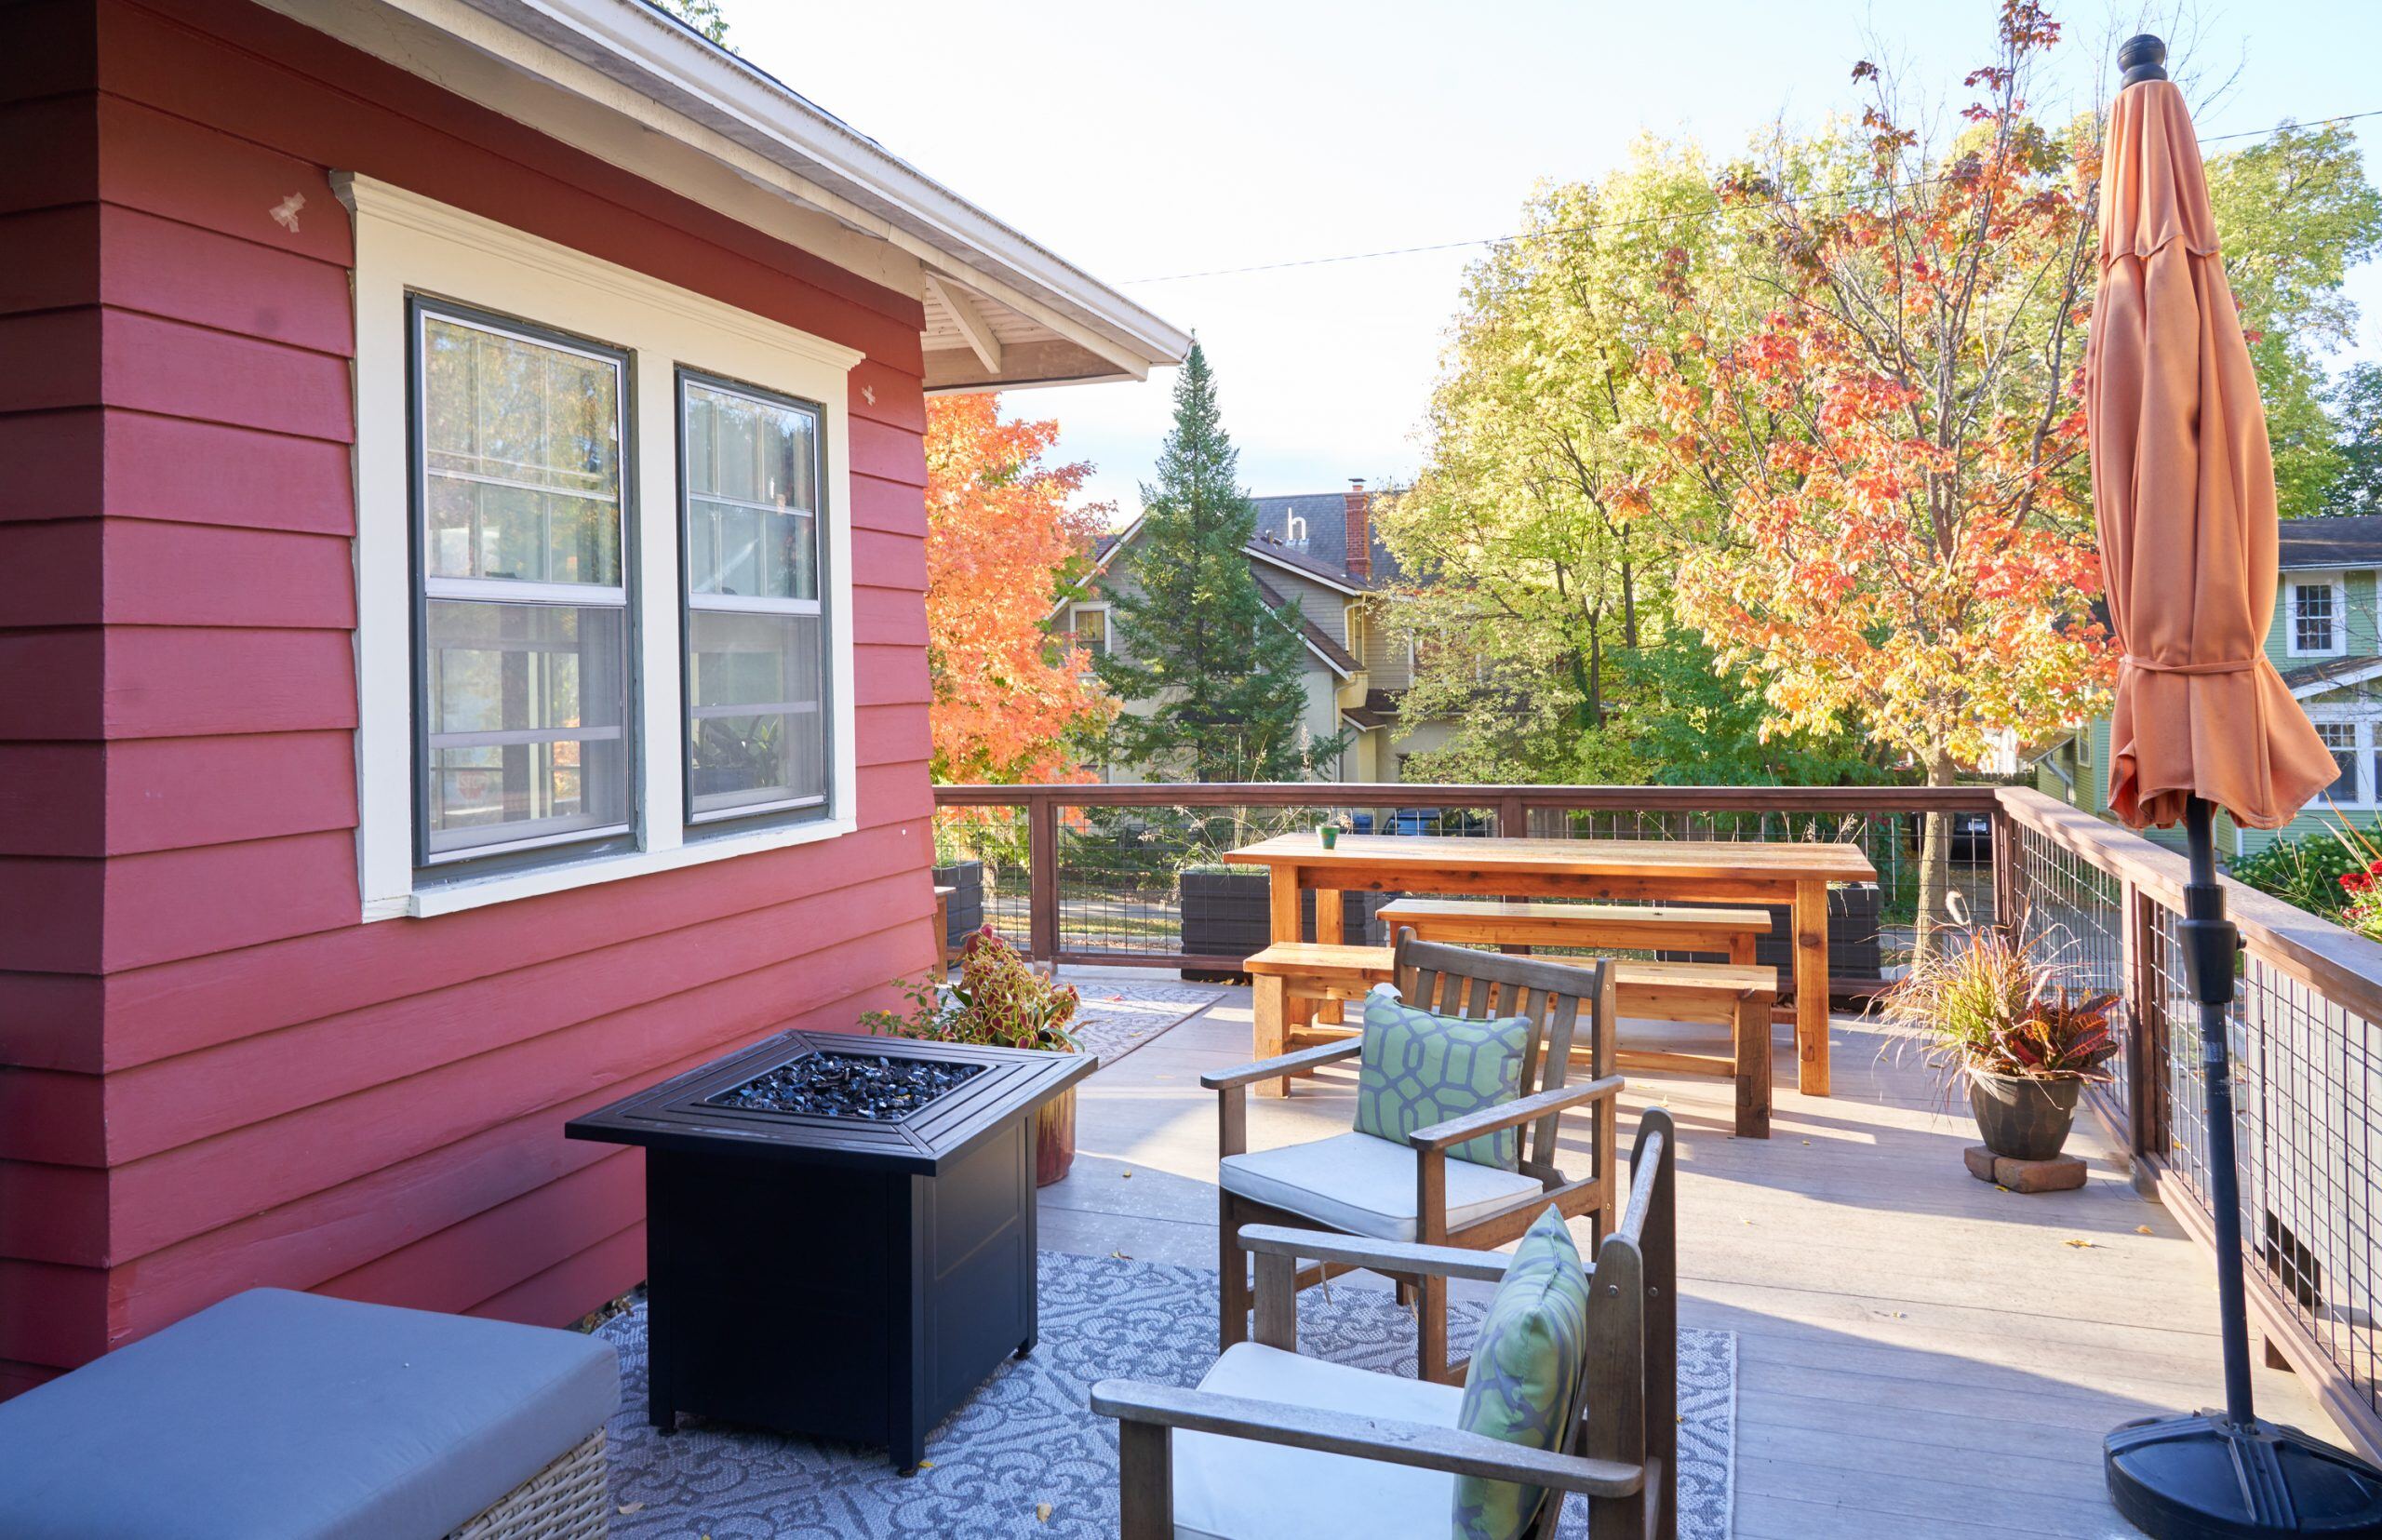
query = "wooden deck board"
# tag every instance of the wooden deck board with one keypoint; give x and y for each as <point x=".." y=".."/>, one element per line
<point x="1908" y="1337"/>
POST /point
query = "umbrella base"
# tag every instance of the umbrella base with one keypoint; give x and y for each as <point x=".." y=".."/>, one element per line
<point x="2206" y="1476"/>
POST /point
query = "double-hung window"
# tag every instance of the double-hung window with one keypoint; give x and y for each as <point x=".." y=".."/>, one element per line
<point x="2317" y="625"/>
<point x="757" y="680"/>
<point x="603" y="568"/>
<point x="523" y="710"/>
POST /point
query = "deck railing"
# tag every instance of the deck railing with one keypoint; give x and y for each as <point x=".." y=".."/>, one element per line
<point x="1097" y="875"/>
<point x="2307" y="1058"/>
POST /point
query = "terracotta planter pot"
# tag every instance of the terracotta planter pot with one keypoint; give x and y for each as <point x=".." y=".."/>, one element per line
<point x="2021" y="1116"/>
<point x="1054" y="1138"/>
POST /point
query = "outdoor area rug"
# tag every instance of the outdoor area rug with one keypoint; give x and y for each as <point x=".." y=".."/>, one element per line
<point x="1028" y="1437"/>
<point x="1114" y="1019"/>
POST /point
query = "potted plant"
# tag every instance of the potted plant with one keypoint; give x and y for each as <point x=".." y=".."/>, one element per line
<point x="1004" y="1001"/>
<point x="2014" y="1029"/>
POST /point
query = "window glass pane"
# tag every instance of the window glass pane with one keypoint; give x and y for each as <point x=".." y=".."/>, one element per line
<point x="2341" y="738"/>
<point x="521" y="447"/>
<point x="752" y="492"/>
<point x="2312" y="617"/>
<point x="528" y="705"/>
<point x="757" y="727"/>
<point x="1092" y="630"/>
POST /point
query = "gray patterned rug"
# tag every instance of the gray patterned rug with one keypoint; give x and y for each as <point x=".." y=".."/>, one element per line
<point x="1028" y="1437"/>
<point x="1114" y="1019"/>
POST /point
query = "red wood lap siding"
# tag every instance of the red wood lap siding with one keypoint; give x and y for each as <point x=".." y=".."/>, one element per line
<point x="212" y="1075"/>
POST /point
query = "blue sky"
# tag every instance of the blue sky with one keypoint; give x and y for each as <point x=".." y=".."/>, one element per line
<point x="1141" y="140"/>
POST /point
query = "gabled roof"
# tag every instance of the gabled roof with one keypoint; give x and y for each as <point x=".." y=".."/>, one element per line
<point x="1273" y="552"/>
<point x="2331" y="674"/>
<point x="1319" y="641"/>
<point x="2335" y="541"/>
<point x="1380" y="710"/>
<point x="640" y="89"/>
<point x="1308" y="532"/>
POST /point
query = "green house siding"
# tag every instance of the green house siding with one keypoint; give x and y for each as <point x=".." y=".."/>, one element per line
<point x="2362" y="640"/>
<point x="2319" y="820"/>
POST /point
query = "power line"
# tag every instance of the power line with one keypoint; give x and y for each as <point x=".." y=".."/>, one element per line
<point x="1649" y="218"/>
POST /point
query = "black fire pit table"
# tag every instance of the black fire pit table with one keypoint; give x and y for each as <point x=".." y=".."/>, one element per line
<point x="839" y="1229"/>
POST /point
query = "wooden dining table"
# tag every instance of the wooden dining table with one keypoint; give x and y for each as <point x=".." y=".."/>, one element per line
<point x="1785" y="872"/>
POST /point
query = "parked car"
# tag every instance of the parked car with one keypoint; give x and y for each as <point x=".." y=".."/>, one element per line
<point x="1420" y="821"/>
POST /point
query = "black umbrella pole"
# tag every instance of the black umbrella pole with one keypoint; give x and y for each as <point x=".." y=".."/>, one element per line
<point x="2227" y="1476"/>
<point x="2209" y="942"/>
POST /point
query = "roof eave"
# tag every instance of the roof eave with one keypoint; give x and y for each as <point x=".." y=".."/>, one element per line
<point x="688" y="90"/>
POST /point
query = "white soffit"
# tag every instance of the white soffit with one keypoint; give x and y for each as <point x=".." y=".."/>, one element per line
<point x="637" y="89"/>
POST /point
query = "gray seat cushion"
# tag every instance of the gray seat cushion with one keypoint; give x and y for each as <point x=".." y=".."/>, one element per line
<point x="1362" y="1186"/>
<point x="277" y="1415"/>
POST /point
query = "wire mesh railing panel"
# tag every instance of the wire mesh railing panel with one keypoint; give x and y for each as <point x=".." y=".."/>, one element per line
<point x="994" y="841"/>
<point x="1151" y="880"/>
<point x="2306" y="1076"/>
<point x="1872" y="928"/>
<point x="2304" y="1106"/>
<point x="2072" y="914"/>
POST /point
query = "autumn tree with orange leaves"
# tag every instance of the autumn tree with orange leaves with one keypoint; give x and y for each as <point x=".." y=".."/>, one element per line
<point x="1003" y="535"/>
<point x="1896" y="441"/>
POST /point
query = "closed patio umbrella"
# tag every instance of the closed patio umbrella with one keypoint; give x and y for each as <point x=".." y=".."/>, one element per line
<point x="2182" y="497"/>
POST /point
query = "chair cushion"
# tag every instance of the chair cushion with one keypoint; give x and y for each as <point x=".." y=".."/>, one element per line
<point x="1358" y="1185"/>
<point x="1239" y="1488"/>
<point x="1525" y="1373"/>
<point x="1419" y="1068"/>
<point x="287" y="1415"/>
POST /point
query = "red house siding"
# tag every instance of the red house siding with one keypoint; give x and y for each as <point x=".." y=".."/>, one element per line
<point x="212" y="1075"/>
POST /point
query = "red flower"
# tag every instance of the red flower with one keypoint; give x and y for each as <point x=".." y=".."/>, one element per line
<point x="2374" y="865"/>
<point x="2358" y="882"/>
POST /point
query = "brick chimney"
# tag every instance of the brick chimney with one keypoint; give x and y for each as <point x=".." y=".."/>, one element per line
<point x="1359" y="557"/>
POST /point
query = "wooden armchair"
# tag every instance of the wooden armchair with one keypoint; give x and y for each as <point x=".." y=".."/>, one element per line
<point x="1244" y="1455"/>
<point x="1362" y="1186"/>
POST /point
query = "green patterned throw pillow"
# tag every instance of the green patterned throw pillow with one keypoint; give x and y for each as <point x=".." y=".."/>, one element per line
<point x="1525" y="1373"/>
<point x="1418" y="1069"/>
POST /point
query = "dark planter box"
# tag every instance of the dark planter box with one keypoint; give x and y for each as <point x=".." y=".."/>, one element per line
<point x="1852" y="954"/>
<point x="1229" y="914"/>
<point x="967" y="904"/>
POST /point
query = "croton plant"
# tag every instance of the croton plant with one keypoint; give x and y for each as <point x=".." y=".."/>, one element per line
<point x="1000" y="1000"/>
<point x="1988" y="1003"/>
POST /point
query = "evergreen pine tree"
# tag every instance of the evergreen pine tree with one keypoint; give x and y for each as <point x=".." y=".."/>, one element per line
<point x="1211" y="675"/>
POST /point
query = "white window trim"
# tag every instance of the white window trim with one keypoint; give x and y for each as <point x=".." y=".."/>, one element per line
<point x="2369" y="738"/>
<point x="1107" y="637"/>
<point x="2291" y="584"/>
<point x="407" y="243"/>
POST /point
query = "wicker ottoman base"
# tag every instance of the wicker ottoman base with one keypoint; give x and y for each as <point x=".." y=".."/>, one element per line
<point x="568" y="1500"/>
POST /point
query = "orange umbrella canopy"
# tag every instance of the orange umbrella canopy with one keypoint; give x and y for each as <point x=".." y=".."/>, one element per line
<point x="2183" y="496"/>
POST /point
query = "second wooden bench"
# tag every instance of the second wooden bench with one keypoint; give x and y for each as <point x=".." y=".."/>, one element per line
<point x="1289" y="980"/>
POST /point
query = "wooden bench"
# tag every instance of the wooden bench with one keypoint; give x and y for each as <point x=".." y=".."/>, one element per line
<point x="1511" y="923"/>
<point x="1291" y="980"/>
<point x="943" y="953"/>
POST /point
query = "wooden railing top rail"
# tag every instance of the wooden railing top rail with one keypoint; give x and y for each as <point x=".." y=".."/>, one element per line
<point x="2342" y="964"/>
<point x="1324" y="794"/>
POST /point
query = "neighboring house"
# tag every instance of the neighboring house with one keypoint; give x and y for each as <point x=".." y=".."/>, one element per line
<point x="1318" y="550"/>
<point x="462" y="595"/>
<point x="2325" y="642"/>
